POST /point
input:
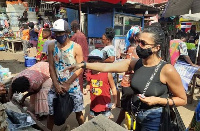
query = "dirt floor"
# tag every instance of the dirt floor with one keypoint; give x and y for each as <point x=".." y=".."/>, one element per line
<point x="15" y="62"/>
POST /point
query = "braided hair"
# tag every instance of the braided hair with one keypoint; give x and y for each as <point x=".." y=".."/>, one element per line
<point x="20" y="84"/>
<point x="160" y="38"/>
<point x="110" y="33"/>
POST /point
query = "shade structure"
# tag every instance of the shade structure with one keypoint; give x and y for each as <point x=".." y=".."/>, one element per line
<point x="194" y="17"/>
<point x="83" y="1"/>
<point x="181" y="7"/>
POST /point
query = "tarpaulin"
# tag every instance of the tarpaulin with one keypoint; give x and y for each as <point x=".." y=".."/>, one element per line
<point x="18" y="121"/>
<point x="186" y="72"/>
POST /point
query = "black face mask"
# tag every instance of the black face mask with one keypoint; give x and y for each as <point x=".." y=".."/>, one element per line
<point x="143" y="53"/>
<point x="61" y="39"/>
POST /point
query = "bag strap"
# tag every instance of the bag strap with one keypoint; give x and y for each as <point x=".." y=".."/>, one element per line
<point x="149" y="82"/>
<point x="152" y="77"/>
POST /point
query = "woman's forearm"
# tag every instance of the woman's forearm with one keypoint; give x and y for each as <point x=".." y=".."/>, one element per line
<point x="121" y="66"/>
<point x="178" y="101"/>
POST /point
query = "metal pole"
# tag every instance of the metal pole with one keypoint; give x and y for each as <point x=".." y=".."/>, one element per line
<point x="197" y="51"/>
<point x="80" y="14"/>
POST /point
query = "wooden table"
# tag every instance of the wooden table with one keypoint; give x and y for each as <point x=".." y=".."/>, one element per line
<point x="13" y="43"/>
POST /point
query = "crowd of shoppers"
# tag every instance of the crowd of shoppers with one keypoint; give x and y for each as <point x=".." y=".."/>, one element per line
<point x="66" y="59"/>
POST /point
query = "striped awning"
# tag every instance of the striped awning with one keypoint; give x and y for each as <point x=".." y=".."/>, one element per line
<point x="181" y="7"/>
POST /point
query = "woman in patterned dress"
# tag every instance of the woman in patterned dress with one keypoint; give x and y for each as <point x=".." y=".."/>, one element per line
<point x="36" y="82"/>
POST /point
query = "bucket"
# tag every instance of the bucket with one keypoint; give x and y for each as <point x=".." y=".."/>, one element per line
<point x="29" y="61"/>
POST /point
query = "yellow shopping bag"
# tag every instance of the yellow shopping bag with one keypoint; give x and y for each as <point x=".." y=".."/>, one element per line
<point x="130" y="121"/>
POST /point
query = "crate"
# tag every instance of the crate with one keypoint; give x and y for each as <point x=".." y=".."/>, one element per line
<point x="29" y="61"/>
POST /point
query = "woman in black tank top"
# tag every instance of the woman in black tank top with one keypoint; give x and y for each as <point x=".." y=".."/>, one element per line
<point x="152" y="43"/>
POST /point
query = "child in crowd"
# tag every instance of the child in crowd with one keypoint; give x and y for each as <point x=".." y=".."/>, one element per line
<point x="99" y="85"/>
<point x="46" y="35"/>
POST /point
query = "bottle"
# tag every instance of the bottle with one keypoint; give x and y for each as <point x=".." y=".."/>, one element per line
<point x="109" y="105"/>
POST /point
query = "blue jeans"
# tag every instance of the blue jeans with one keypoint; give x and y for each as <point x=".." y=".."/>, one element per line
<point x="105" y="113"/>
<point x="149" y="120"/>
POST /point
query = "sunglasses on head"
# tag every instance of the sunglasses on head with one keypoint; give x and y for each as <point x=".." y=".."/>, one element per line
<point x="143" y="43"/>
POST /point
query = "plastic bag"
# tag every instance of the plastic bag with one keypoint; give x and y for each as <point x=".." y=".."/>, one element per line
<point x="18" y="120"/>
<point x="63" y="106"/>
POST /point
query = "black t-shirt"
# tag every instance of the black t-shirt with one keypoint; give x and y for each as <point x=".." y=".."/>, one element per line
<point x="140" y="78"/>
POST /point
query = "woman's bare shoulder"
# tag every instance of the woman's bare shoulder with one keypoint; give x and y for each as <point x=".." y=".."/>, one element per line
<point x="168" y="69"/>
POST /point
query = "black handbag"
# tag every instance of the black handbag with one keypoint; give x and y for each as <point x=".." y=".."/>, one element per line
<point x="171" y="119"/>
<point x="63" y="106"/>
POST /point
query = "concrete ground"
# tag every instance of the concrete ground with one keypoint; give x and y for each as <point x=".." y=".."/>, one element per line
<point x="15" y="62"/>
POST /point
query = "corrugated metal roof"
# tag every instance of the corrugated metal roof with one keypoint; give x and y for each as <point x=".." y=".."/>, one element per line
<point x="181" y="7"/>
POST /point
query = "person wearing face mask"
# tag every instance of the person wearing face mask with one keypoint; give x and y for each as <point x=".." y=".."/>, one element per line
<point x="62" y="54"/>
<point x="148" y="103"/>
<point x="80" y="39"/>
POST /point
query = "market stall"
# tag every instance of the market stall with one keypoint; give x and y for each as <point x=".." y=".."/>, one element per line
<point x="121" y="22"/>
<point x="120" y="17"/>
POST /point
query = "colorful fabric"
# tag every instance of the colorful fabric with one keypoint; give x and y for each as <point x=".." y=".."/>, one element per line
<point x="40" y="99"/>
<point x="183" y="48"/>
<point x="177" y="48"/>
<point x="131" y="33"/>
<point x="40" y="44"/>
<point x="174" y="51"/>
<point x="99" y="91"/>
<point x="36" y="74"/>
<point x="63" y="59"/>
<point x="186" y="72"/>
